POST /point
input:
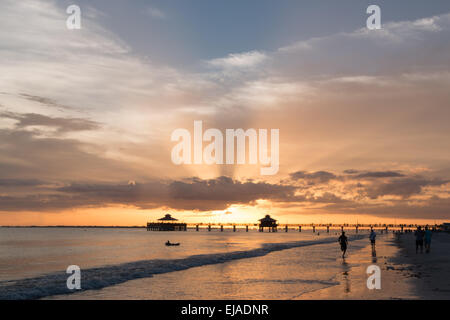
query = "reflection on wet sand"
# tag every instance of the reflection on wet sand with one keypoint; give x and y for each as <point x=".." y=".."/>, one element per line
<point x="374" y="255"/>
<point x="346" y="268"/>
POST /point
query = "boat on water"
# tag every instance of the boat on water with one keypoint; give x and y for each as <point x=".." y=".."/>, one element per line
<point x="168" y="243"/>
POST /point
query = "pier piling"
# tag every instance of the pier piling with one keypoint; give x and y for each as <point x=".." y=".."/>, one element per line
<point x="273" y="227"/>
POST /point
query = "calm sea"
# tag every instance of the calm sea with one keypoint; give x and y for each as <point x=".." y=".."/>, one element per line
<point x="120" y="262"/>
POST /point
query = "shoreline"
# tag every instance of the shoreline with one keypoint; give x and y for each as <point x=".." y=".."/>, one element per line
<point x="352" y="281"/>
<point x="404" y="275"/>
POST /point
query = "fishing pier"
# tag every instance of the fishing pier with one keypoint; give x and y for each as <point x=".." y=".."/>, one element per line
<point x="168" y="223"/>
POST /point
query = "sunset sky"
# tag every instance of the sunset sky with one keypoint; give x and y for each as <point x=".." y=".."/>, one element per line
<point x="86" y="115"/>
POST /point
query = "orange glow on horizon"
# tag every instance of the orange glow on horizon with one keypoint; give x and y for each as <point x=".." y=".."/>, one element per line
<point x="131" y="216"/>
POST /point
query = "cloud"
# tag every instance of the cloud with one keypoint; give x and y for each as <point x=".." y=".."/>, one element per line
<point x="379" y="174"/>
<point x="405" y="187"/>
<point x="27" y="155"/>
<point x="313" y="177"/>
<point x="190" y="194"/>
<point x="340" y="101"/>
<point x="317" y="56"/>
<point x="45" y="101"/>
<point x="156" y="13"/>
<point x="239" y="60"/>
<point x="20" y="182"/>
<point x="61" y="124"/>
<point x="326" y="198"/>
<point x="203" y="195"/>
<point x="432" y="208"/>
<point x="219" y="193"/>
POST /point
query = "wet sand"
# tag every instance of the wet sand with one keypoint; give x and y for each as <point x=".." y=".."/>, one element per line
<point x="404" y="274"/>
<point x="430" y="271"/>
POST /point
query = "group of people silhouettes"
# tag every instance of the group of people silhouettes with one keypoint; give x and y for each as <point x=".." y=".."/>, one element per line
<point x="423" y="238"/>
<point x="343" y="241"/>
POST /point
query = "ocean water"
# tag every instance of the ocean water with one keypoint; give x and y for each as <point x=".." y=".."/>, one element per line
<point x="135" y="263"/>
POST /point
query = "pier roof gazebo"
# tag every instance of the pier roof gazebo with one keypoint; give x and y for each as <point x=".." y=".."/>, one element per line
<point x="166" y="223"/>
<point x="268" y="222"/>
<point x="167" y="217"/>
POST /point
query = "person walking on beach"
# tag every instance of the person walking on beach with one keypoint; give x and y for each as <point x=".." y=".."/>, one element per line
<point x="427" y="239"/>
<point x="343" y="242"/>
<point x="372" y="238"/>
<point x="419" y="239"/>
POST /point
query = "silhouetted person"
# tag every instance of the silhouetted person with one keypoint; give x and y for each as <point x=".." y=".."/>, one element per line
<point x="343" y="241"/>
<point x="419" y="239"/>
<point x="427" y="239"/>
<point x="372" y="238"/>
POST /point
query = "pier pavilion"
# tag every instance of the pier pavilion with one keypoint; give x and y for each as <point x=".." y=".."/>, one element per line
<point x="166" y="223"/>
<point x="268" y="222"/>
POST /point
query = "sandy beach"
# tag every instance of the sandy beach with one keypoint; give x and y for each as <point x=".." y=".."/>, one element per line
<point x="430" y="271"/>
<point x="404" y="274"/>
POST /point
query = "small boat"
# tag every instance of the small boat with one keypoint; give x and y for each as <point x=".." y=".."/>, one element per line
<point x="172" y="244"/>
